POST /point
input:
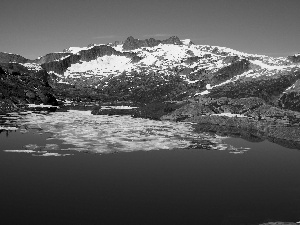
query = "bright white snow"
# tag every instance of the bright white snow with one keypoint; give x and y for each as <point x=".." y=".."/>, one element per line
<point x="104" y="66"/>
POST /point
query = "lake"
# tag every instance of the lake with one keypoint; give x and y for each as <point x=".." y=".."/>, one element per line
<point x="77" y="168"/>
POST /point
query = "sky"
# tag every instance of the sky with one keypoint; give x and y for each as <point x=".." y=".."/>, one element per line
<point x="34" y="28"/>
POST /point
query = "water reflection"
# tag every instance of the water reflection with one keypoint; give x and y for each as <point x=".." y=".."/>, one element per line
<point x="108" y="134"/>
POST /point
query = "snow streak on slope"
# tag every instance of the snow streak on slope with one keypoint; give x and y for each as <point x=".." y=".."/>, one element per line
<point x="32" y="66"/>
<point x="263" y="65"/>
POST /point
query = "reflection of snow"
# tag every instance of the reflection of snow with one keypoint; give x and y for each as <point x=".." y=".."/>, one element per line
<point x="106" y="134"/>
<point x="8" y="128"/>
<point x="118" y="107"/>
<point x="41" y="106"/>
<point x="52" y="154"/>
<point x="229" y="115"/>
<point x="20" y="151"/>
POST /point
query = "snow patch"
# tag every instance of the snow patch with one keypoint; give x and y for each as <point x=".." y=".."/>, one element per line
<point x="186" y="41"/>
<point x="41" y="106"/>
<point x="202" y="93"/>
<point x="20" y="151"/>
<point x="268" y="67"/>
<point x="8" y="128"/>
<point x="118" y="107"/>
<point x="106" y="65"/>
<point x="208" y="87"/>
<point x="228" y="115"/>
<point x="32" y="66"/>
<point x="52" y="154"/>
<point x="118" y="48"/>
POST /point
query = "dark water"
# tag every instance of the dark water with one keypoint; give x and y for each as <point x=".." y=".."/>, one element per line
<point x="168" y="186"/>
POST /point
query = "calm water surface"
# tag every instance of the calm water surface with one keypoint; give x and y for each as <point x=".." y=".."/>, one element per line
<point x="76" y="168"/>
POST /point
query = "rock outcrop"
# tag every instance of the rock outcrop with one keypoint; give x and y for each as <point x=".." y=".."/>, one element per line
<point x="252" y="115"/>
<point x="269" y="88"/>
<point x="20" y="86"/>
<point x="132" y="43"/>
<point x="227" y="72"/>
<point x="294" y="58"/>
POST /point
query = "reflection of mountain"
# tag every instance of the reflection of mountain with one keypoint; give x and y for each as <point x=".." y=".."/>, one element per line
<point x="108" y="134"/>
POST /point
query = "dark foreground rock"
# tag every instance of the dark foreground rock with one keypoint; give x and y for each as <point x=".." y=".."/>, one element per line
<point x="113" y="111"/>
<point x="250" y="118"/>
<point x="157" y="110"/>
<point x="21" y="86"/>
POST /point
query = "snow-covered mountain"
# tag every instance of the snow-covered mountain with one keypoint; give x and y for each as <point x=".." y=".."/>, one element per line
<point x="205" y="68"/>
<point x="152" y="56"/>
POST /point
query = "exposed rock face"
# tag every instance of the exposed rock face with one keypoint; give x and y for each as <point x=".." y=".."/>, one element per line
<point x="143" y="88"/>
<point x="208" y="106"/>
<point x="62" y="65"/>
<point x="225" y="73"/>
<point x="12" y="58"/>
<point x="290" y="100"/>
<point x="253" y="115"/>
<point x="231" y="59"/>
<point x="172" y="40"/>
<point x="132" y="43"/>
<point x="192" y="59"/>
<point x="20" y="86"/>
<point x="267" y="88"/>
<point x="294" y="58"/>
<point x="51" y="57"/>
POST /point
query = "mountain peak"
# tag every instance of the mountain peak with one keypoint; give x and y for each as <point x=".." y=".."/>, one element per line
<point x="132" y="43"/>
<point x="172" y="40"/>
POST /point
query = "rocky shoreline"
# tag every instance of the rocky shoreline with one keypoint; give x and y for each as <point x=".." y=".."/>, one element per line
<point x="256" y="121"/>
<point x="258" y="124"/>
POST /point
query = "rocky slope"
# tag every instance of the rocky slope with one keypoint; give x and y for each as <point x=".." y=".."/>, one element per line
<point x="20" y="86"/>
<point x="9" y="57"/>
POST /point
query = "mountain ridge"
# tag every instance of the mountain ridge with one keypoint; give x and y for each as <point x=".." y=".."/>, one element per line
<point x="197" y="70"/>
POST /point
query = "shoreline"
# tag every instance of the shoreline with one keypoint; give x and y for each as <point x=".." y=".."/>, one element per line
<point x="278" y="130"/>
